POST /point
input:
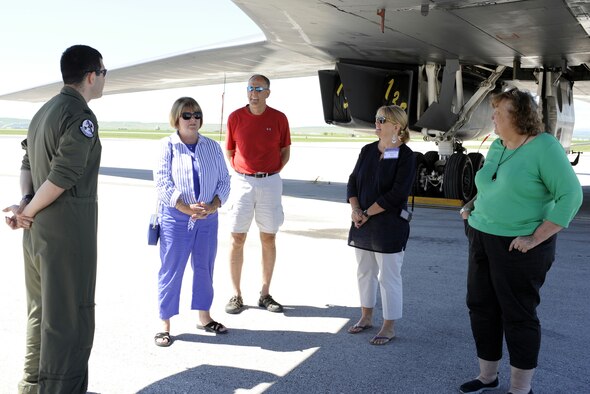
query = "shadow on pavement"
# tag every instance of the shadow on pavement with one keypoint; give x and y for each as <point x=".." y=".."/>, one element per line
<point x="280" y="341"/>
<point x="133" y="173"/>
<point x="198" y="380"/>
<point x="327" y="191"/>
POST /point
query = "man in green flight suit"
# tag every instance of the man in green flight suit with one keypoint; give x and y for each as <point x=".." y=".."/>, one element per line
<point x="59" y="176"/>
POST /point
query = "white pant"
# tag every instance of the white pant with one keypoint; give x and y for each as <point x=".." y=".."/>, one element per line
<point x="385" y="269"/>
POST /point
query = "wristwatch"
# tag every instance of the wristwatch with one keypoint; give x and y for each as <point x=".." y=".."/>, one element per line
<point x="464" y="209"/>
<point x="27" y="198"/>
<point x="365" y="214"/>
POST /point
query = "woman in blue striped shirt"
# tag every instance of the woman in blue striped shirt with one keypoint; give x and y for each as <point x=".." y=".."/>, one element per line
<point x="192" y="182"/>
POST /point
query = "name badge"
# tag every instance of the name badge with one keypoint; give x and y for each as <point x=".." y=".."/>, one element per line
<point x="391" y="153"/>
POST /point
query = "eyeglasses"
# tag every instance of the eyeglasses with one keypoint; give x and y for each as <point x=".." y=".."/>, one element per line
<point x="188" y="115"/>
<point x="380" y="119"/>
<point x="98" y="72"/>
<point x="258" y="89"/>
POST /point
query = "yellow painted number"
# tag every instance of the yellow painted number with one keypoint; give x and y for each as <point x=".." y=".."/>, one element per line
<point x="389" y="86"/>
<point x="396" y="94"/>
<point x="338" y="91"/>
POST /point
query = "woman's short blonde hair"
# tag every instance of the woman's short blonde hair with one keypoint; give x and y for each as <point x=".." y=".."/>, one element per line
<point x="395" y="114"/>
<point x="183" y="104"/>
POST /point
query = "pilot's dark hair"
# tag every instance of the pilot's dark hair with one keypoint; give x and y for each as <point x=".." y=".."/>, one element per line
<point x="523" y="109"/>
<point x="184" y="104"/>
<point x="396" y="114"/>
<point x="260" y="76"/>
<point x="77" y="61"/>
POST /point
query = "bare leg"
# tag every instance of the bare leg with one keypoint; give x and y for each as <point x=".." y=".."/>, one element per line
<point x="269" y="255"/>
<point x="205" y="317"/>
<point x="387" y="331"/>
<point x="165" y="328"/>
<point x="236" y="260"/>
<point x="365" y="321"/>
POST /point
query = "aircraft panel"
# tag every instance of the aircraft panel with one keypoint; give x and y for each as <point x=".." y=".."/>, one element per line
<point x="541" y="32"/>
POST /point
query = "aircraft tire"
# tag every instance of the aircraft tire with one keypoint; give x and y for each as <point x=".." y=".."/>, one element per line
<point x="458" y="177"/>
<point x="477" y="160"/>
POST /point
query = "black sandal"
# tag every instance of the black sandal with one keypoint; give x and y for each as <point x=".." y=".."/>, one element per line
<point x="213" y="326"/>
<point x="164" y="338"/>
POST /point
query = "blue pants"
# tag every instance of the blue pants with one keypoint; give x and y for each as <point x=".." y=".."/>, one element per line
<point x="177" y="243"/>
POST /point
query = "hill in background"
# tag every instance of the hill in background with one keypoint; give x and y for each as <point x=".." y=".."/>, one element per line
<point x="582" y="134"/>
<point x="12" y="123"/>
<point x="23" y="124"/>
<point x="18" y="124"/>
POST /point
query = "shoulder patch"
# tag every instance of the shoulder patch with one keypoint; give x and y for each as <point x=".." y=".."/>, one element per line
<point x="87" y="128"/>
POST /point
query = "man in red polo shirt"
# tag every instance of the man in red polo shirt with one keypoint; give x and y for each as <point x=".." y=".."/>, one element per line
<point x="258" y="147"/>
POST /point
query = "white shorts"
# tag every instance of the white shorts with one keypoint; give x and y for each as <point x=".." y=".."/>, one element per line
<point x="256" y="197"/>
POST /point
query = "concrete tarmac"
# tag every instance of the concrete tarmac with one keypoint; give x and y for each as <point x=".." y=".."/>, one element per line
<point x="306" y="349"/>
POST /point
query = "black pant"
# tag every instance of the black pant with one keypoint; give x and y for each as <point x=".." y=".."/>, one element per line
<point x="503" y="295"/>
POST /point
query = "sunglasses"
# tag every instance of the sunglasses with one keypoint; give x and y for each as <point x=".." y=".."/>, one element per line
<point x="380" y="119"/>
<point x="258" y="89"/>
<point x="188" y="115"/>
<point x="98" y="72"/>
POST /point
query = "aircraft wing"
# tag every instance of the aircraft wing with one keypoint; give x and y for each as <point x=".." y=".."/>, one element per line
<point x="208" y="67"/>
<point x="307" y="35"/>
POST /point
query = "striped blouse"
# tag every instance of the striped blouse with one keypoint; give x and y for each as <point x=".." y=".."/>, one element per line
<point x="174" y="174"/>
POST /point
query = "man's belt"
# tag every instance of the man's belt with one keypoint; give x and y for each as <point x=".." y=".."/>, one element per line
<point x="260" y="174"/>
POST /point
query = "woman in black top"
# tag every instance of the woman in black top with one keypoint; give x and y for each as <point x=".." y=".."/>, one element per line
<point x="377" y="191"/>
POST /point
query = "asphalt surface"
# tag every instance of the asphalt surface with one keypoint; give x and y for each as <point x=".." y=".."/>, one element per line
<point x="306" y="349"/>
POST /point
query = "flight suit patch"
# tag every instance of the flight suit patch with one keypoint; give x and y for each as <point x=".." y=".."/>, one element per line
<point x="87" y="128"/>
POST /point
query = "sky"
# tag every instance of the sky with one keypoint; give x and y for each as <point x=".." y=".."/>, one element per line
<point x="132" y="31"/>
<point x="35" y="33"/>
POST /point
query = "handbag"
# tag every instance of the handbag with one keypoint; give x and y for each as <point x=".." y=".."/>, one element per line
<point x="153" y="229"/>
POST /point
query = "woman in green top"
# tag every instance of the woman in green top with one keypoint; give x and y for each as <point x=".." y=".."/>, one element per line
<point x="527" y="193"/>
